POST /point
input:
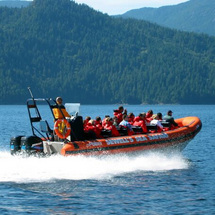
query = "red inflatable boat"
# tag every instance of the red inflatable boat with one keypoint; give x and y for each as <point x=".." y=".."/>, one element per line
<point x="45" y="141"/>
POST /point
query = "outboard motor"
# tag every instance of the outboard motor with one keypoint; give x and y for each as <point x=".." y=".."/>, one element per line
<point x="15" y="145"/>
<point x="31" y="145"/>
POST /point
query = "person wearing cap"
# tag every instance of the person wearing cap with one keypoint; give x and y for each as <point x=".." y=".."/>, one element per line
<point x="59" y="110"/>
<point x="170" y="119"/>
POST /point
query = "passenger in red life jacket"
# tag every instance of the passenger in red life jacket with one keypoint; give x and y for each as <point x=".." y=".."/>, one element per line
<point x="104" y="120"/>
<point x="126" y="124"/>
<point x="140" y="121"/>
<point x="119" y="113"/>
<point x="90" y="127"/>
<point x="157" y="122"/>
<point x="131" y="118"/>
<point x="109" y="126"/>
<point x="98" y="122"/>
<point x="87" y="119"/>
<point x="149" y="115"/>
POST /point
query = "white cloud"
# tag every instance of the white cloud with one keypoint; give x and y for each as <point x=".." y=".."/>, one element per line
<point x="113" y="7"/>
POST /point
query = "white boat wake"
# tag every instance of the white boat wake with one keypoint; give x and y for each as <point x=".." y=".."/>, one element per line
<point x="32" y="169"/>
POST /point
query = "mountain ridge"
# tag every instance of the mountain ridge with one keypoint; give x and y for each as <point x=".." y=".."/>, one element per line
<point x="62" y="48"/>
<point x="193" y="16"/>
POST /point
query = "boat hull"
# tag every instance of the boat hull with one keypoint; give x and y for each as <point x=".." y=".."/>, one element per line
<point x="173" y="140"/>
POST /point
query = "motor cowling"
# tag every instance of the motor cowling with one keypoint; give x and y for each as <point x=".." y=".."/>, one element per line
<point x="15" y="145"/>
<point x="31" y="144"/>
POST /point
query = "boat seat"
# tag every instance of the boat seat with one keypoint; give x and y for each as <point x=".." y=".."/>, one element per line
<point x="166" y="124"/>
<point x="153" y="128"/>
<point x="122" y="130"/>
<point x="44" y="127"/>
<point x="90" y="135"/>
<point x="137" y="129"/>
<point x="106" y="133"/>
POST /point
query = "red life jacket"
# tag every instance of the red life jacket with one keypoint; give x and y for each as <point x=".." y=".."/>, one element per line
<point x="137" y="119"/>
<point x="131" y="119"/>
<point x="98" y="125"/>
<point x="90" y="127"/>
<point x="114" y="131"/>
<point x="103" y="122"/>
<point x="86" y="122"/>
<point x="148" y="120"/>
<point x="149" y="117"/>
<point x="118" y="114"/>
<point x="108" y="126"/>
<point x="142" y="124"/>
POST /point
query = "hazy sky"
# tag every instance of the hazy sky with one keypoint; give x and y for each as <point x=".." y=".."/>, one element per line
<point x="114" y="7"/>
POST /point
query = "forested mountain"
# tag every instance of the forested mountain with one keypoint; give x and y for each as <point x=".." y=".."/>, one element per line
<point x="60" y="48"/>
<point x="14" y="3"/>
<point x="193" y="16"/>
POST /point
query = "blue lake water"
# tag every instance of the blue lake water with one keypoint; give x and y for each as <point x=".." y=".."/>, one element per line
<point x="146" y="184"/>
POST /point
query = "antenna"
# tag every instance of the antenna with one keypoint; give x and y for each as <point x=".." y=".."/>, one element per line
<point x="29" y="89"/>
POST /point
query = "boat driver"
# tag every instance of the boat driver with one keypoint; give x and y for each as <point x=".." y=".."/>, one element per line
<point x="59" y="109"/>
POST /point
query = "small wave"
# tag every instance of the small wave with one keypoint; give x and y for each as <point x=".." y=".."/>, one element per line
<point x="32" y="169"/>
